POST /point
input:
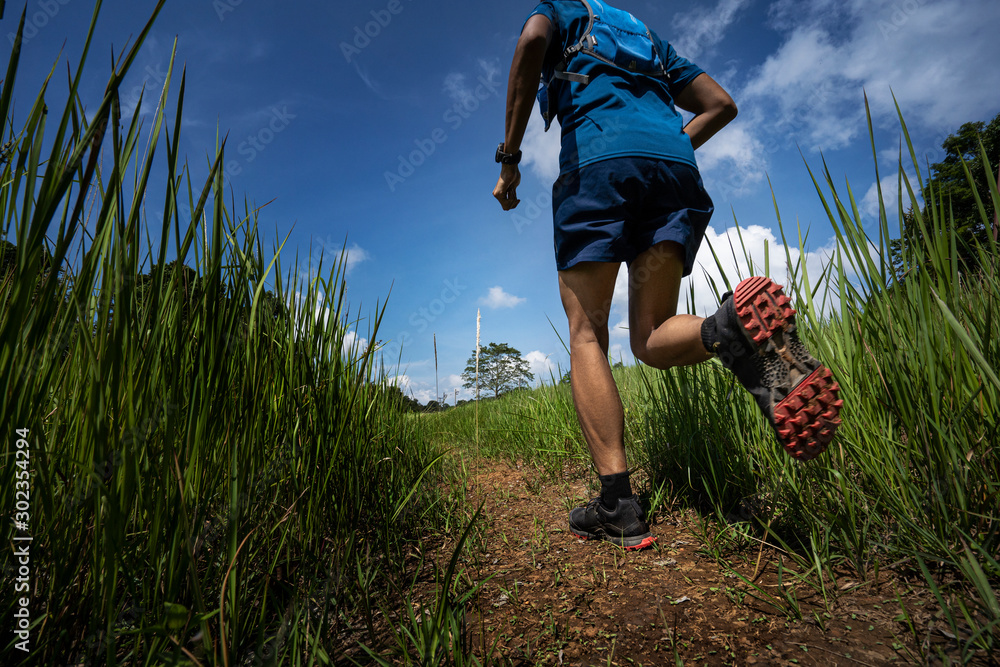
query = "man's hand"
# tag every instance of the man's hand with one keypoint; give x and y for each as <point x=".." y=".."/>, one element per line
<point x="522" y="85"/>
<point x="506" y="189"/>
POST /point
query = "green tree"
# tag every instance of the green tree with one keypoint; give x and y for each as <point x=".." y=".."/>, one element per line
<point x="951" y="188"/>
<point x="501" y="369"/>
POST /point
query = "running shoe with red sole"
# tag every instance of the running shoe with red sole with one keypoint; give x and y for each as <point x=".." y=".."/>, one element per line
<point x="755" y="336"/>
<point x="625" y="526"/>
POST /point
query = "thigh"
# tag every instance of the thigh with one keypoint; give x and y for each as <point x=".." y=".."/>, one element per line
<point x="586" y="291"/>
<point x="654" y="283"/>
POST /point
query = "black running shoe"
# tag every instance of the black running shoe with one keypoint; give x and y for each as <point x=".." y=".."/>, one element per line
<point x="754" y="335"/>
<point x="626" y="526"/>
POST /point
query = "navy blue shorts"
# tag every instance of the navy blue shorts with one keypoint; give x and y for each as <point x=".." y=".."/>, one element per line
<point x="614" y="210"/>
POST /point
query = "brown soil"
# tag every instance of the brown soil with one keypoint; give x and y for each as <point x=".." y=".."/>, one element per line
<point x="555" y="599"/>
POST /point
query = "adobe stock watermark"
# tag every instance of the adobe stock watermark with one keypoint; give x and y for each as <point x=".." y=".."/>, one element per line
<point x="529" y="211"/>
<point x="223" y="7"/>
<point x="23" y="443"/>
<point x="790" y="128"/>
<point x="35" y="21"/>
<point x="257" y="142"/>
<point x="155" y="76"/>
<point x="788" y="125"/>
<point x="899" y="16"/>
<point x="362" y="36"/>
<point x="424" y="317"/>
<point x="488" y="86"/>
<point x="325" y="254"/>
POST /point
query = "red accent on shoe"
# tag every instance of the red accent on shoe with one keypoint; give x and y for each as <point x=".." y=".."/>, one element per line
<point x="648" y="542"/>
<point x="806" y="431"/>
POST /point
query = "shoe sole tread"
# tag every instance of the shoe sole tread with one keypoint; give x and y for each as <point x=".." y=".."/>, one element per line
<point x="806" y="419"/>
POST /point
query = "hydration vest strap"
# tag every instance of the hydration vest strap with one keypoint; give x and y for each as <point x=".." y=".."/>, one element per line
<point x="656" y="52"/>
<point x="572" y="76"/>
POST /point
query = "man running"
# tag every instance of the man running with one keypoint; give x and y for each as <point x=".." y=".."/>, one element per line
<point x="629" y="191"/>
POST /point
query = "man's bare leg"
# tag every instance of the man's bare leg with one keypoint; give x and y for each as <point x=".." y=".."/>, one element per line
<point x="616" y="515"/>
<point x="586" y="290"/>
<point x="659" y="336"/>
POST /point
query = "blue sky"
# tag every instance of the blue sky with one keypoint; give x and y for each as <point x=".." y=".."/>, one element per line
<point x="384" y="141"/>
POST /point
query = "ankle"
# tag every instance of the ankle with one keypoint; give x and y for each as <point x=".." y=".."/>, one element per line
<point x="709" y="334"/>
<point x="615" y="487"/>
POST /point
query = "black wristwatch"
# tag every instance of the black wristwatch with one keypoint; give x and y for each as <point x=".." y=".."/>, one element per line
<point x="507" y="158"/>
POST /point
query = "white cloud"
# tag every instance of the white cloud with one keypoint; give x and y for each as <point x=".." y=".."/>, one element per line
<point x="497" y="298"/>
<point x="456" y="88"/>
<point x="704" y="27"/>
<point x="733" y="248"/>
<point x="541" y="148"/>
<point x="352" y="257"/>
<point x="452" y="383"/>
<point x="416" y="390"/>
<point x="354" y="345"/>
<point x="543" y="367"/>
<point x="619" y="353"/>
<point x="618" y="317"/>
<point x="868" y="206"/>
<point x="803" y="88"/>
<point x="733" y="253"/>
<point x="931" y="54"/>
<point x="733" y="161"/>
<point x="298" y="304"/>
<point x="325" y="255"/>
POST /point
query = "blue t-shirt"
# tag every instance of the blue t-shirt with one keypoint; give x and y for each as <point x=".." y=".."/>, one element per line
<point x="618" y="113"/>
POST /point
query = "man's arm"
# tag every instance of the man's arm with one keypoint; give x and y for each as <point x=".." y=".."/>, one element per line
<point x="522" y="87"/>
<point x="710" y="103"/>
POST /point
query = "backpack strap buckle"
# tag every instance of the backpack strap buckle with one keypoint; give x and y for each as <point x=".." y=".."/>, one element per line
<point x="572" y="76"/>
<point x="561" y="73"/>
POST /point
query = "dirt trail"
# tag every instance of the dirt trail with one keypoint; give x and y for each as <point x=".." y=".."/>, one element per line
<point x="556" y="599"/>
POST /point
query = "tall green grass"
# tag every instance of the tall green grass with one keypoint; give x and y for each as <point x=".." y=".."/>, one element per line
<point x="216" y="476"/>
